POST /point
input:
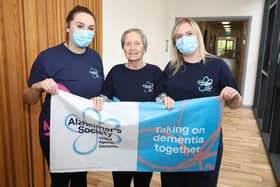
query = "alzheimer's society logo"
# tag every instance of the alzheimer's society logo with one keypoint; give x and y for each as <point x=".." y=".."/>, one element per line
<point x="205" y="84"/>
<point x="148" y="87"/>
<point x="93" y="131"/>
<point x="94" y="73"/>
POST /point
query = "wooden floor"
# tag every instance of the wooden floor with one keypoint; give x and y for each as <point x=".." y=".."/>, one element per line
<point x="245" y="163"/>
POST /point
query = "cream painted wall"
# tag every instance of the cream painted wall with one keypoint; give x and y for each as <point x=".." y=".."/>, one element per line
<point x="156" y="18"/>
<point x="151" y="16"/>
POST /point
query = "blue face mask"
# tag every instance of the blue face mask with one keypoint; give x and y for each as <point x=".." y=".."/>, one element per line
<point x="186" y="44"/>
<point x="82" y="38"/>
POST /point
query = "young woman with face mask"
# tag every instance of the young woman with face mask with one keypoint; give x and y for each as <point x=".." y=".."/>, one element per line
<point x="70" y="66"/>
<point x="194" y="73"/>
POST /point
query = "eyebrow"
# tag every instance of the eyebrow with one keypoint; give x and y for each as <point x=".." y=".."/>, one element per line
<point x="79" y="22"/>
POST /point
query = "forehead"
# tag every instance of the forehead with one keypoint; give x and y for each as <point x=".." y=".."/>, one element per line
<point x="84" y="18"/>
<point x="184" y="27"/>
<point x="133" y="36"/>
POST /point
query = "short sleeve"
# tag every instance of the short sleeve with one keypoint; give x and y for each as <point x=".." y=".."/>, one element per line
<point x="108" y="85"/>
<point x="167" y="71"/>
<point x="38" y="72"/>
<point x="227" y="78"/>
<point x="101" y="65"/>
<point x="159" y="82"/>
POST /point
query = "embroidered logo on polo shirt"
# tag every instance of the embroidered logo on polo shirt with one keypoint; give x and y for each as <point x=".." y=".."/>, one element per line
<point x="148" y="87"/>
<point x="205" y="84"/>
<point x="94" y="73"/>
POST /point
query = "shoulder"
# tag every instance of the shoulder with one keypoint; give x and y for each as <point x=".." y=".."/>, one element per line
<point x="93" y="52"/>
<point x="117" y="68"/>
<point x="49" y="54"/>
<point x="153" y="67"/>
<point x="169" y="69"/>
<point x="53" y="49"/>
<point x="217" y="62"/>
<point x="52" y="52"/>
<point x="219" y="67"/>
<point x="213" y="60"/>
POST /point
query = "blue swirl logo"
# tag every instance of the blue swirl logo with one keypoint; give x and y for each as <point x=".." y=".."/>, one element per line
<point x="148" y="87"/>
<point x="93" y="131"/>
<point x="205" y="84"/>
<point x="94" y="73"/>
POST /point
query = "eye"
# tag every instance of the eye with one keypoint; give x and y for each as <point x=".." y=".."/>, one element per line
<point x="80" y="25"/>
<point x="189" y="33"/>
<point x="178" y="36"/>
<point x="127" y="43"/>
<point x="91" y="28"/>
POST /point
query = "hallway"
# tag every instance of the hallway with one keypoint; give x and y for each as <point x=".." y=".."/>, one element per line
<point x="245" y="162"/>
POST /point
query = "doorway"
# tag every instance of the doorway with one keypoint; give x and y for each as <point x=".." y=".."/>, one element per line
<point x="226" y="38"/>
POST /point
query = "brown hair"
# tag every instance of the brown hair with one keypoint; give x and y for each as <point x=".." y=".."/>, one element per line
<point x="77" y="9"/>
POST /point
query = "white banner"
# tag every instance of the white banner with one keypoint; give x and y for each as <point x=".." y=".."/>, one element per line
<point x="132" y="136"/>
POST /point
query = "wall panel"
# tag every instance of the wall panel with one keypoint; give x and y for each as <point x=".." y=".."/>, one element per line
<point x="5" y="150"/>
<point x="26" y="28"/>
<point x="15" y="138"/>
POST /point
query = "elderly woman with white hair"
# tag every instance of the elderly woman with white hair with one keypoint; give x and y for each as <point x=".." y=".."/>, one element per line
<point x="134" y="80"/>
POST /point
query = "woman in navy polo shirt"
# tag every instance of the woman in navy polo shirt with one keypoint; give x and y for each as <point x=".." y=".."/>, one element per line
<point x="71" y="66"/>
<point x="195" y="73"/>
<point x="133" y="81"/>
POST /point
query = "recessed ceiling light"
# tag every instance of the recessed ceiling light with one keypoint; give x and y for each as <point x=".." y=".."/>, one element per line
<point x="226" y="26"/>
<point x="225" y="22"/>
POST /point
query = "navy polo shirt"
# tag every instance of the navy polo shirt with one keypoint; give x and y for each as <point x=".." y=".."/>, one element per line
<point x="195" y="80"/>
<point x="81" y="74"/>
<point x="134" y="85"/>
